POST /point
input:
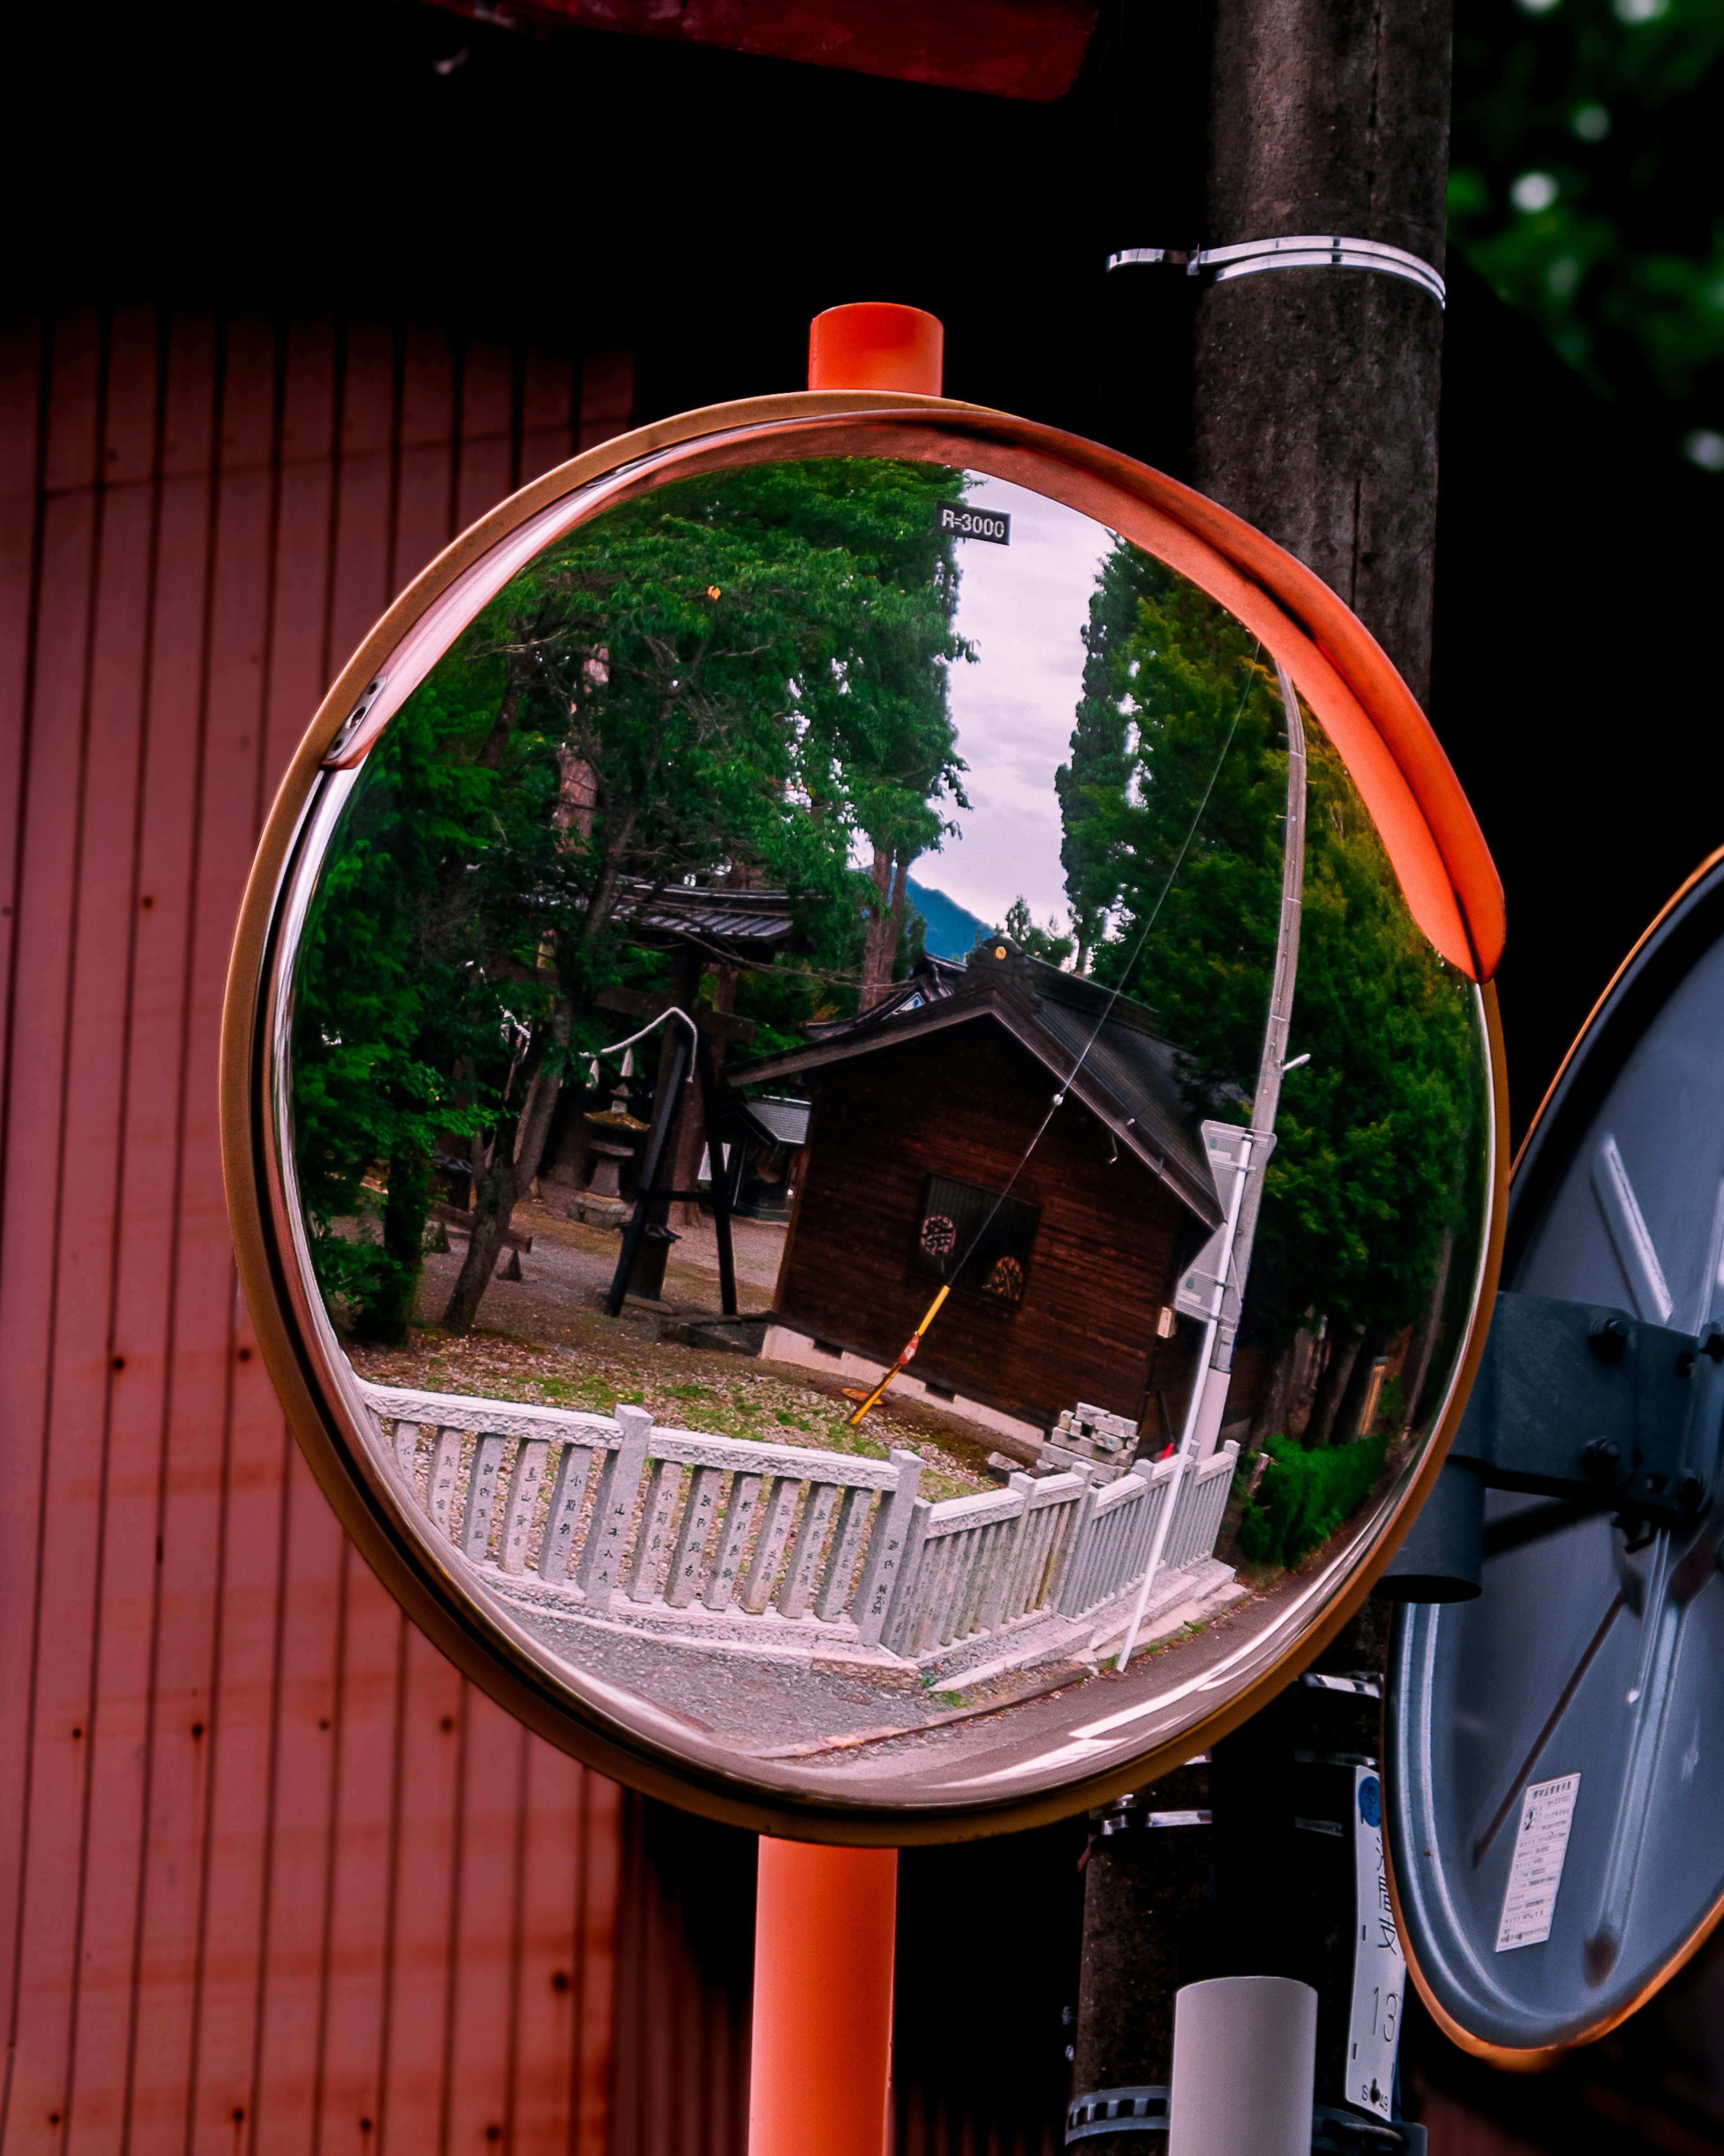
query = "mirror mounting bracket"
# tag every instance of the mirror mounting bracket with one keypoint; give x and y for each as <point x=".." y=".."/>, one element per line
<point x="1584" y="1404"/>
<point x="1580" y="1401"/>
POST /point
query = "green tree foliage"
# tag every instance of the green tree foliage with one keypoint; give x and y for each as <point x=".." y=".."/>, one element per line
<point x="1581" y="189"/>
<point x="1173" y="804"/>
<point x="416" y="962"/>
<point x="728" y="650"/>
<point x="740" y="675"/>
<point x="1046" y="943"/>
<point x="1304" y="1496"/>
<point x="1094" y="784"/>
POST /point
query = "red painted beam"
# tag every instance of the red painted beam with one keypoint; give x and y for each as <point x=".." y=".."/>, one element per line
<point x="1030" y="49"/>
<point x="822" y="2050"/>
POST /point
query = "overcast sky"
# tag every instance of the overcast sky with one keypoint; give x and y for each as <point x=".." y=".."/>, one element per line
<point x="1023" y="606"/>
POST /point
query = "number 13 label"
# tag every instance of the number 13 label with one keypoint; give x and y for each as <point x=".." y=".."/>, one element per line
<point x="1379" y="1967"/>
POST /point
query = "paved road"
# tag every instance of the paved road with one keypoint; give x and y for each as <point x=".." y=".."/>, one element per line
<point x="1047" y="1725"/>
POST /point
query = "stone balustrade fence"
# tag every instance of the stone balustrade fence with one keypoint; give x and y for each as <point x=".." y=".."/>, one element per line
<point x="1119" y="1534"/>
<point x="627" y="1519"/>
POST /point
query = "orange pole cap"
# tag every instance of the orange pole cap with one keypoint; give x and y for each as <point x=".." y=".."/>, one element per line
<point x="875" y="345"/>
<point x="822" y="2047"/>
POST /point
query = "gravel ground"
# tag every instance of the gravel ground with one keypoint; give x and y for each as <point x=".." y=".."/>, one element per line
<point x="546" y="1338"/>
<point x="752" y="1701"/>
<point x="767" y="1706"/>
<point x="571" y="1264"/>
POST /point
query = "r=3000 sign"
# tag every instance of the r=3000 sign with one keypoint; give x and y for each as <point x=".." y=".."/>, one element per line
<point x="964" y="523"/>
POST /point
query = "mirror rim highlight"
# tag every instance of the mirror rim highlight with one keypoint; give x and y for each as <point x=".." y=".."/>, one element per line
<point x="1352" y="688"/>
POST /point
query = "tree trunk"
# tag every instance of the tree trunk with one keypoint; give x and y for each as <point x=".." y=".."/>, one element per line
<point x="388" y="1315"/>
<point x="1275" y="1418"/>
<point x="1316" y="389"/>
<point x="1346" y="1425"/>
<point x="886" y="925"/>
<point x="685" y="1164"/>
<point x="536" y="1117"/>
<point x="684" y="988"/>
<point x="1332" y="1385"/>
<point x="515" y="1152"/>
<point x="692" y="1134"/>
<point x="1417" y="1367"/>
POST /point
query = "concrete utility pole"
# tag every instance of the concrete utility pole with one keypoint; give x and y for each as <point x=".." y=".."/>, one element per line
<point x="1316" y="389"/>
<point x="1316" y="400"/>
<point x="1146" y="1919"/>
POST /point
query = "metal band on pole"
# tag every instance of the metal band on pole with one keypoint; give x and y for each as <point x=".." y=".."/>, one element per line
<point x="1298" y="251"/>
<point x="1139" y="2110"/>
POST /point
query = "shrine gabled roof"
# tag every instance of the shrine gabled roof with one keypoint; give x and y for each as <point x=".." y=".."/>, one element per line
<point x="745" y="927"/>
<point x="784" y="1122"/>
<point x="1097" y="1046"/>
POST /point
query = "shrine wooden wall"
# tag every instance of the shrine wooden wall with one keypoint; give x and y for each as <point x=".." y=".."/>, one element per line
<point x="965" y="1102"/>
<point x="272" y="1878"/>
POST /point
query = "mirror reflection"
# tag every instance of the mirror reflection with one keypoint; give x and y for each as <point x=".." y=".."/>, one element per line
<point x="871" y="1126"/>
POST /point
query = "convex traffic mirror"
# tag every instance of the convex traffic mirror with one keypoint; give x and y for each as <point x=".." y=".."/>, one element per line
<point x="861" y="1087"/>
<point x="1555" y="1811"/>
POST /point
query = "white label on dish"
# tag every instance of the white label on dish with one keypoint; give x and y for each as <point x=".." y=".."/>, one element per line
<point x="1536" y="1869"/>
<point x="1379" y="1967"/>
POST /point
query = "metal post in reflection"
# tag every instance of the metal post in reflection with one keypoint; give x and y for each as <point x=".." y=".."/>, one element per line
<point x="1216" y="1366"/>
<point x="1193" y="1412"/>
<point x="1208" y="1392"/>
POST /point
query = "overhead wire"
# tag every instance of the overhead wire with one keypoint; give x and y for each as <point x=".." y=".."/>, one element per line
<point x="954" y="1272"/>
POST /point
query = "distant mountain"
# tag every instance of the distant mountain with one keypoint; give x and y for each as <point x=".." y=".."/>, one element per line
<point x="951" y="931"/>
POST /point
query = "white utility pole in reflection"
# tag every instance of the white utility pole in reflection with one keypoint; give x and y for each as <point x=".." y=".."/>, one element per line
<point x="1215" y="1287"/>
<point x="1236" y="1258"/>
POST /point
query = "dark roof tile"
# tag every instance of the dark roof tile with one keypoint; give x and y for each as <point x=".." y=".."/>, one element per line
<point x="1099" y="1046"/>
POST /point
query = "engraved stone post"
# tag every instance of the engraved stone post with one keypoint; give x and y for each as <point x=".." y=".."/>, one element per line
<point x="482" y="1497"/>
<point x="445" y="1473"/>
<point x="524" y="1488"/>
<point x="885" y="1549"/>
<point x="618" y="1485"/>
<point x="563" y="1521"/>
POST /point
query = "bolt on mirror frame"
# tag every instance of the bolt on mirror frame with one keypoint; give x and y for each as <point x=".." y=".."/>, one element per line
<point x="1445" y="869"/>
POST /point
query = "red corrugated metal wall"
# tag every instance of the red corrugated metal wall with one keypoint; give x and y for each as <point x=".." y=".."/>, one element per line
<point x="272" y="1878"/>
<point x="685" y="1964"/>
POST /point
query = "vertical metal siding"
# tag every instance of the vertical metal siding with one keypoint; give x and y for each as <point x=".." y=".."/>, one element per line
<point x="683" y="1982"/>
<point x="271" y="1876"/>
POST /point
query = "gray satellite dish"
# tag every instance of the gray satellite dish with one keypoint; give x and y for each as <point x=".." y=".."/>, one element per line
<point x="1555" y="1777"/>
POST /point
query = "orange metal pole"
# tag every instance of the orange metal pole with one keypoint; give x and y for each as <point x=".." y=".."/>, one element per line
<point x="911" y="1346"/>
<point x="876" y="345"/>
<point x="822" y="2057"/>
<point x="821" y="2060"/>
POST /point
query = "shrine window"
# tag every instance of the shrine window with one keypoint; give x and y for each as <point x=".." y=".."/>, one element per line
<point x="975" y="1237"/>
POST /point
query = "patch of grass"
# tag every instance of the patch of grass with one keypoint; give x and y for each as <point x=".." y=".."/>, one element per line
<point x="1304" y="1496"/>
<point x="595" y="1378"/>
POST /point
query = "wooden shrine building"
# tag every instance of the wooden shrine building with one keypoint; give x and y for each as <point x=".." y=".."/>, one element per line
<point x="923" y="1109"/>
